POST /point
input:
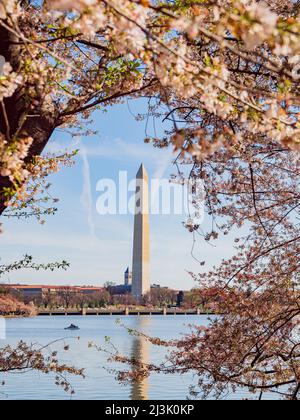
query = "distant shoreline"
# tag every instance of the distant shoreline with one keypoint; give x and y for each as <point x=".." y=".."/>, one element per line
<point x="122" y="312"/>
<point x="111" y="312"/>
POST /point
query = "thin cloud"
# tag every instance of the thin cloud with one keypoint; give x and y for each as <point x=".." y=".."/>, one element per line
<point x="86" y="198"/>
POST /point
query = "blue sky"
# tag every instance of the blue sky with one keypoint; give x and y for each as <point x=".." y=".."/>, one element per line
<point x="99" y="248"/>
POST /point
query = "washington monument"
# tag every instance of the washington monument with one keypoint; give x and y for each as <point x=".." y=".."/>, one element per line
<point x="141" y="240"/>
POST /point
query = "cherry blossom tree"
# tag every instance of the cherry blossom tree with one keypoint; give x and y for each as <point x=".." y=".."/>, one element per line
<point x="230" y="68"/>
<point x="53" y="76"/>
<point x="11" y="305"/>
<point x="24" y="358"/>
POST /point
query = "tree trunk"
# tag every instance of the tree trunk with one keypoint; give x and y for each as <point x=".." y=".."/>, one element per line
<point x="41" y="123"/>
<point x="41" y="132"/>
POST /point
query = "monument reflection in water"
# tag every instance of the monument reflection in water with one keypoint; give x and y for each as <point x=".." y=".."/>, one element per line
<point x="140" y="351"/>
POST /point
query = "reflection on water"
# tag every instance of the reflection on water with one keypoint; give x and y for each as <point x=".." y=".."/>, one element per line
<point x="140" y="351"/>
<point x="99" y="383"/>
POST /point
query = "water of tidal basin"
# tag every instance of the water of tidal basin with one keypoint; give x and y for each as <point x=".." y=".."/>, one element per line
<point x="99" y="383"/>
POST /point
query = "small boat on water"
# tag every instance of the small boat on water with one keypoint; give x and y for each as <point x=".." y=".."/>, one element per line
<point x="72" y="327"/>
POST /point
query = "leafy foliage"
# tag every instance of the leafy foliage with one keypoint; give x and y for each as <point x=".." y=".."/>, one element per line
<point x="27" y="263"/>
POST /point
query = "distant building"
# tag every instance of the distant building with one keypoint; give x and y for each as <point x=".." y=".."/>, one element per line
<point x="120" y="289"/>
<point x="127" y="277"/>
<point x="31" y="292"/>
<point x="180" y="298"/>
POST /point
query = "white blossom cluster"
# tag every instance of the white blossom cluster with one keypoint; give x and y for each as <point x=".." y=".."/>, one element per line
<point x="9" y="81"/>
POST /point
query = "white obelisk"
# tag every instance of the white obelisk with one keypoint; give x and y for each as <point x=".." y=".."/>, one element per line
<point x="141" y="240"/>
